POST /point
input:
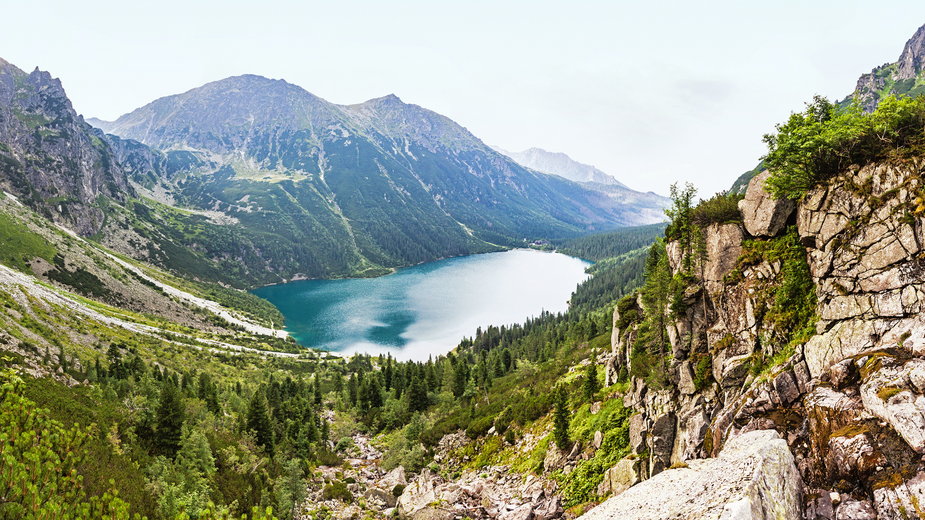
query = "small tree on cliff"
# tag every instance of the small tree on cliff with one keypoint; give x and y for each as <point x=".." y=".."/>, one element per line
<point x="590" y="385"/>
<point x="560" y="420"/>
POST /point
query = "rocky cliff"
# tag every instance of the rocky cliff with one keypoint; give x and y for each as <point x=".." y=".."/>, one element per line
<point x="847" y="393"/>
<point x="901" y="78"/>
<point x="51" y="158"/>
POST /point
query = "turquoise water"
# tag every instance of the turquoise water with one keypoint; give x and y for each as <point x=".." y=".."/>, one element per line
<point x="426" y="309"/>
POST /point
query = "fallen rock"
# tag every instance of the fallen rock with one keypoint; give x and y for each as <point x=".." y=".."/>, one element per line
<point x="523" y="512"/>
<point x="855" y="510"/>
<point x="886" y="395"/>
<point x="901" y="502"/>
<point x="762" y="214"/>
<point x="621" y="477"/>
<point x="753" y="478"/>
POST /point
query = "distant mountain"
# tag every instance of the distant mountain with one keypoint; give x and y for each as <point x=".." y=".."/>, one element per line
<point x="903" y="77"/>
<point x="49" y="157"/>
<point x="346" y="189"/>
<point x="557" y="163"/>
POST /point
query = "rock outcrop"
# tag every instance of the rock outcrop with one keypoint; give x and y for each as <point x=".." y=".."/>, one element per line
<point x="753" y="478"/>
<point x="49" y="157"/>
<point x="849" y="400"/>
<point x="488" y="493"/>
<point x="764" y="215"/>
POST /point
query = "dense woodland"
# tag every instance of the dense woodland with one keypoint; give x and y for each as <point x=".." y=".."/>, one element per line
<point x="164" y="440"/>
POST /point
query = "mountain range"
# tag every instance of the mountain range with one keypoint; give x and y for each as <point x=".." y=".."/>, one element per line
<point x="260" y="178"/>
<point x="558" y="163"/>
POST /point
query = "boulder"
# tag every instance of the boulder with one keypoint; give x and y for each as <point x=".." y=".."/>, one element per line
<point x="555" y="458"/>
<point x="396" y="477"/>
<point x="523" y="512"/>
<point x="548" y="509"/>
<point x="853" y="454"/>
<point x="418" y="495"/>
<point x="621" y="477"/>
<point x="762" y="214"/>
<point x="637" y="434"/>
<point x="754" y="477"/>
<point x="887" y="395"/>
<point x="432" y="513"/>
<point x="661" y="442"/>
<point x="902" y="501"/>
<point x="855" y="510"/>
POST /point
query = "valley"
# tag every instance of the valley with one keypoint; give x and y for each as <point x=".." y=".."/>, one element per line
<point x="246" y="302"/>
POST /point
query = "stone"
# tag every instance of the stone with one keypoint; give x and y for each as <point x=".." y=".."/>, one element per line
<point x="916" y="370"/>
<point x="621" y="477"/>
<point x="393" y="478"/>
<point x="686" y="378"/>
<point x="381" y="494"/>
<point x="598" y="439"/>
<point x="853" y="455"/>
<point x="785" y="385"/>
<point x="723" y="247"/>
<point x="523" y="512"/>
<point x="754" y="477"/>
<point x="843" y="373"/>
<point x="637" y="433"/>
<point x="662" y="442"/>
<point x="433" y="513"/>
<point x="548" y="509"/>
<point x="762" y="214"/>
<point x="418" y="495"/>
<point x="885" y="396"/>
<point x="897" y="503"/>
<point x="855" y="510"/>
<point x="555" y="458"/>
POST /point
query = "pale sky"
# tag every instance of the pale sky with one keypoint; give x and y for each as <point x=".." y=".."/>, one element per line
<point x="652" y="92"/>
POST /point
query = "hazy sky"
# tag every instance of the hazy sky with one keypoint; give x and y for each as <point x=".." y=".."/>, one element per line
<point x="652" y="92"/>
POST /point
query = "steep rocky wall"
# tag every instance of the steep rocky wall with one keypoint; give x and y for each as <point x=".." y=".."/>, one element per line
<point x="49" y="157"/>
<point x="850" y="401"/>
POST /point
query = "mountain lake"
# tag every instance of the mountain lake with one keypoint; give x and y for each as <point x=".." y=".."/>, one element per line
<point x="427" y="309"/>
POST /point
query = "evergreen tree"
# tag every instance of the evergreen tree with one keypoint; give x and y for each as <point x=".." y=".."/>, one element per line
<point x="460" y="378"/>
<point x="316" y="386"/>
<point x="590" y="385"/>
<point x="561" y="418"/>
<point x="352" y="389"/>
<point x="258" y="421"/>
<point x="169" y="420"/>
<point x="417" y="394"/>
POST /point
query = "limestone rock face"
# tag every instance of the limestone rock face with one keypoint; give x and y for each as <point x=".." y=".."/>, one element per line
<point x="762" y="214"/>
<point x="621" y="477"/>
<point x="753" y="478"/>
<point x="51" y="159"/>
<point x="850" y="401"/>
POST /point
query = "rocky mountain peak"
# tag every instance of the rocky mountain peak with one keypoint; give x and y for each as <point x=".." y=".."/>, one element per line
<point x="50" y="153"/>
<point x="558" y="163"/>
<point x="912" y="59"/>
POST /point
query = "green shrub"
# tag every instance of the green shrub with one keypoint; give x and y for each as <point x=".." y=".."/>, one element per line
<point x="479" y="427"/>
<point x="337" y="490"/>
<point x="722" y="208"/>
<point x="826" y="139"/>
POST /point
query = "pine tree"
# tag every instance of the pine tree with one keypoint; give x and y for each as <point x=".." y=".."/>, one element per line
<point x="417" y="394"/>
<point x="258" y="421"/>
<point x="169" y="420"/>
<point x="316" y="386"/>
<point x="561" y="419"/>
<point x="352" y="389"/>
<point x="590" y="384"/>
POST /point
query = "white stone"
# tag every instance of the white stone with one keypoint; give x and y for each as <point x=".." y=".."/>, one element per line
<point x="754" y="478"/>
